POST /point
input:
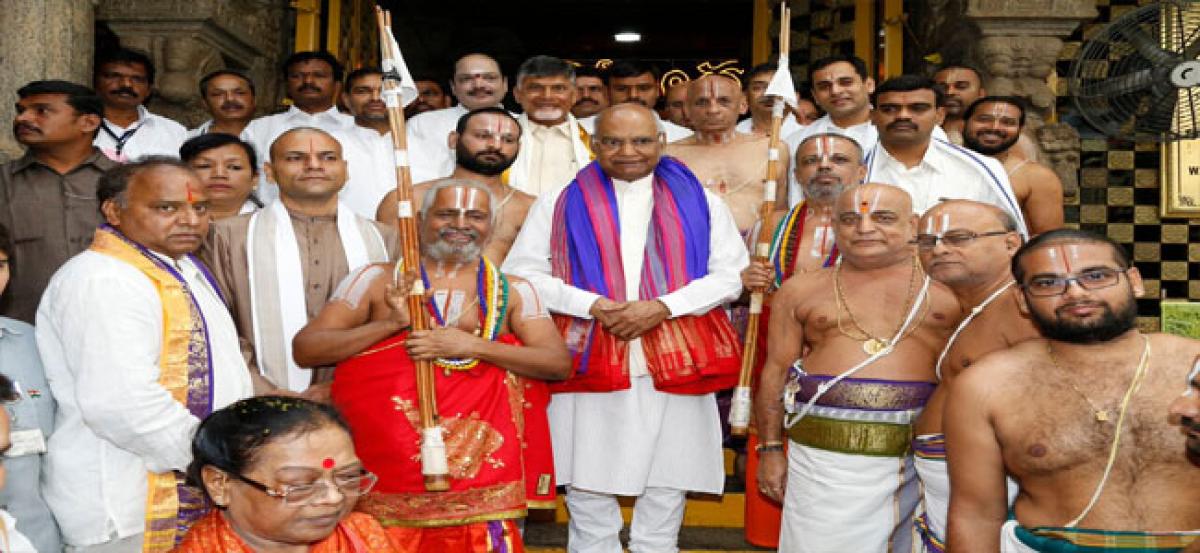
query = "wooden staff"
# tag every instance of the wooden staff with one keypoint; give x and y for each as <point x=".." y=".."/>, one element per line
<point x="739" y="409"/>
<point x="433" y="448"/>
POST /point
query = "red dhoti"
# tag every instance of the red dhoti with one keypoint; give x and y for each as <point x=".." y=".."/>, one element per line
<point x="483" y="412"/>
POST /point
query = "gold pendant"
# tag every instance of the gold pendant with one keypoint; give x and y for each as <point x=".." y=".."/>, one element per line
<point x="1102" y="415"/>
<point x="873" y="346"/>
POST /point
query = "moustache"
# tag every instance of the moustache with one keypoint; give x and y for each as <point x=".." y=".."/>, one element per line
<point x="309" y="87"/>
<point x="123" y="91"/>
<point x="583" y="101"/>
<point x="446" y="233"/>
<point x="24" y="127"/>
<point x="479" y="91"/>
<point x="1190" y="424"/>
<point x="232" y="105"/>
<point x="902" y="125"/>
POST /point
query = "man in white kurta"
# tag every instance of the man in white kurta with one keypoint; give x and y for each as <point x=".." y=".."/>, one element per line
<point x="100" y="330"/>
<point x="553" y="146"/>
<point x="477" y="83"/>
<point x="910" y="155"/>
<point x="639" y="441"/>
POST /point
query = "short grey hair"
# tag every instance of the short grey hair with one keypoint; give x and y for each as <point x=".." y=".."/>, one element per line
<point x="545" y="66"/>
<point x="438" y="186"/>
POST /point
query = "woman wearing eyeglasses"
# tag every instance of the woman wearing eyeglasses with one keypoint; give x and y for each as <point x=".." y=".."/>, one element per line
<point x="282" y="476"/>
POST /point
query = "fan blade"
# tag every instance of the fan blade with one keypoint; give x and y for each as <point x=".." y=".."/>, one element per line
<point x="1161" y="115"/>
<point x="1146" y="46"/>
<point x="1120" y="85"/>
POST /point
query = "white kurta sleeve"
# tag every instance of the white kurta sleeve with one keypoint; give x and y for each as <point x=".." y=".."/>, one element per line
<point x="529" y="259"/>
<point x="726" y="259"/>
<point x="111" y="332"/>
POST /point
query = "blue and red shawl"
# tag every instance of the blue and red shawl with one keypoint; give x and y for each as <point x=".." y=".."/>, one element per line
<point x="691" y="354"/>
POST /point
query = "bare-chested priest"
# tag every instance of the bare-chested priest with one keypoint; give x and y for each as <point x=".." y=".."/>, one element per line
<point x="486" y="142"/>
<point x="965" y="245"/>
<point x="993" y="128"/>
<point x="863" y="337"/>
<point x="730" y="164"/>
<point x="1078" y="418"/>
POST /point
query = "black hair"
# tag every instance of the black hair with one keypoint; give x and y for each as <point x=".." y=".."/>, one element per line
<point x="1067" y="236"/>
<point x="230" y="438"/>
<point x="1015" y="101"/>
<point x="545" y="66"/>
<point x="311" y="55"/>
<point x="859" y="65"/>
<point x="220" y="72"/>
<point x="971" y="68"/>
<point x="6" y="246"/>
<point x="760" y="69"/>
<point x="363" y="72"/>
<point x="628" y="68"/>
<point x="591" y="71"/>
<point x="466" y="118"/>
<point x="8" y="392"/>
<point x="114" y="183"/>
<point x="126" y="55"/>
<point x="909" y="83"/>
<point x="209" y="141"/>
<point x="81" y="98"/>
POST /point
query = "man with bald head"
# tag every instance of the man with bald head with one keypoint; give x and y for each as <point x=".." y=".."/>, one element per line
<point x="851" y="350"/>
<point x="1078" y="417"/>
<point x="730" y="164"/>
<point x="279" y="265"/>
<point x="478" y="82"/>
<point x="967" y="246"/>
<point x="643" y="321"/>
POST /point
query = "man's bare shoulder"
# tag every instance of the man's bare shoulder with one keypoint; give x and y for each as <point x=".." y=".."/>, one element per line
<point x="805" y="285"/>
<point x="1184" y="351"/>
<point x="522" y="199"/>
<point x="1003" y="366"/>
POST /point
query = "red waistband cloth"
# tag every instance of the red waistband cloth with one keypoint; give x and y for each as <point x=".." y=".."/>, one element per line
<point x="482" y="414"/>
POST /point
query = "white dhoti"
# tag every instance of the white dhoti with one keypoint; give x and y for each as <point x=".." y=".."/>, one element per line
<point x="930" y="462"/>
<point x="841" y="502"/>
<point x="1009" y="542"/>
<point x="635" y="442"/>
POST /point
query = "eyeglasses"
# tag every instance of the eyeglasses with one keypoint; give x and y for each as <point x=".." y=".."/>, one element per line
<point x="297" y="495"/>
<point x="954" y="239"/>
<point x="638" y="142"/>
<point x="1090" y="279"/>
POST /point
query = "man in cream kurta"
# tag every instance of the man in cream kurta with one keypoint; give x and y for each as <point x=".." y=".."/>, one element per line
<point x="279" y="265"/>
<point x="552" y="142"/>
<point x="639" y="441"/>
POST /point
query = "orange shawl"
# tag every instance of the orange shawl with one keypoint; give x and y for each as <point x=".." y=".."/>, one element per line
<point x="357" y="533"/>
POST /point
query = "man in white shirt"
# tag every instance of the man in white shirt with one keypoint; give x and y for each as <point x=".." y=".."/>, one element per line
<point x="313" y="80"/>
<point x="123" y="80"/>
<point x="908" y="155"/>
<point x="478" y="82"/>
<point x="553" y="145"/>
<point x="636" y="81"/>
<point x="627" y="436"/>
<point x="373" y="133"/>
<point x="759" y="122"/>
<point x="430" y="97"/>
<point x="138" y="347"/>
<point x="228" y="95"/>
<point x="591" y="92"/>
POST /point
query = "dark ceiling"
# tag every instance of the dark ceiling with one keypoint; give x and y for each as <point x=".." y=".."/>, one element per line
<point x="675" y="33"/>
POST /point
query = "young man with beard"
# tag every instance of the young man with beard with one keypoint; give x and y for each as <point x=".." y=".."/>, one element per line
<point x="1076" y="418"/>
<point x="491" y="334"/>
<point x="228" y="95"/>
<point x="993" y="128"/>
<point x="478" y="82"/>
<point x="966" y="246"/>
<point x="486" y="142"/>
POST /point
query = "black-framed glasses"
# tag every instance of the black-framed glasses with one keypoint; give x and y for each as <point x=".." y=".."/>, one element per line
<point x="300" y="494"/>
<point x="1098" y="278"/>
<point x="954" y="238"/>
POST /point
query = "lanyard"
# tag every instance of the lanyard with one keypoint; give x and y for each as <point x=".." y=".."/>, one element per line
<point x="120" y="140"/>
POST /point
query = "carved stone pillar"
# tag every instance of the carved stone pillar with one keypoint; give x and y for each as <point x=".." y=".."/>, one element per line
<point x="1020" y="45"/>
<point x="188" y="38"/>
<point x="47" y="39"/>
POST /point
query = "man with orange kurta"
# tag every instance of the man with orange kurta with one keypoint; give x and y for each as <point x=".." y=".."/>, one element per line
<point x="489" y="329"/>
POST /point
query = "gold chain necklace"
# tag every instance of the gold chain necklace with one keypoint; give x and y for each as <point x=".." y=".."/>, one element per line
<point x="1102" y="415"/>
<point x="870" y="343"/>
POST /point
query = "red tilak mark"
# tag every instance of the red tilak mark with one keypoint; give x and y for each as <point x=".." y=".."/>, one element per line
<point x="863" y="208"/>
<point x="189" y="194"/>
<point x="1066" y="260"/>
<point x="327" y="463"/>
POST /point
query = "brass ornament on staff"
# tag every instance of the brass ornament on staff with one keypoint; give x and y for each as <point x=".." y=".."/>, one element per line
<point x="433" y="447"/>
<point x="739" y="410"/>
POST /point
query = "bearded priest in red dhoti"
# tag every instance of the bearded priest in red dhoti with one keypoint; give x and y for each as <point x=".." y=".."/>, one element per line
<point x="492" y="344"/>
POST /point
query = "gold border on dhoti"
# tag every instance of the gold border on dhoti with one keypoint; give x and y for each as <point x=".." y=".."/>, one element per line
<point x="853" y="437"/>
